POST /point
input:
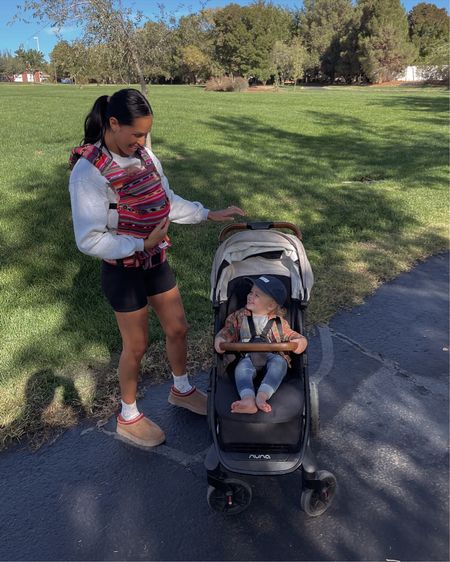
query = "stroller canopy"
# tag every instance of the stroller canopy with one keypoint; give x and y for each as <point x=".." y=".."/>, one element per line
<point x="243" y="254"/>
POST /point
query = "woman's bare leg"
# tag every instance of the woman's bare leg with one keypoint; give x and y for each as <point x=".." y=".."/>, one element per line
<point x="133" y="328"/>
<point x="169" y="309"/>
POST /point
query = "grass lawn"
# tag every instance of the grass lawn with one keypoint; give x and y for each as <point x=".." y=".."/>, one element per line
<point x="306" y="156"/>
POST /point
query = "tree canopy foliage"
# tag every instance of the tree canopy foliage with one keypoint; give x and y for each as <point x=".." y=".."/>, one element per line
<point x="101" y="21"/>
<point x="383" y="41"/>
<point x="325" y="40"/>
<point x="429" y="31"/>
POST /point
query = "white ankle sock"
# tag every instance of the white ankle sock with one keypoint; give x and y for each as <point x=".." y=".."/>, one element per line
<point x="181" y="383"/>
<point x="129" y="411"/>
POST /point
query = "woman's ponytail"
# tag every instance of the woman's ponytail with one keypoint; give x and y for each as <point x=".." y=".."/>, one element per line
<point x="96" y="121"/>
<point x="125" y="105"/>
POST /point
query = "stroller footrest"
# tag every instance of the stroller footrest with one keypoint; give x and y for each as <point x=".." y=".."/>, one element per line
<point x="235" y="432"/>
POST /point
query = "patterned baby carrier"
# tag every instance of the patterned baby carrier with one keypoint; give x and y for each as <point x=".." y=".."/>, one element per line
<point x="143" y="202"/>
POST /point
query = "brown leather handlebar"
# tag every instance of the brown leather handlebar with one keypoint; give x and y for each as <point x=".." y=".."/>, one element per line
<point x="258" y="226"/>
<point x="270" y="347"/>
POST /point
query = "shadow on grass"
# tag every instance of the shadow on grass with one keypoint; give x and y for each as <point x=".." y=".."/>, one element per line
<point x="355" y="232"/>
<point x="354" y="229"/>
<point x="42" y="391"/>
<point x="55" y="304"/>
<point x="429" y="110"/>
<point x="430" y="104"/>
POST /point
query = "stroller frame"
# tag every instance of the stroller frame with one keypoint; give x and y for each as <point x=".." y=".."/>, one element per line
<point x="227" y="492"/>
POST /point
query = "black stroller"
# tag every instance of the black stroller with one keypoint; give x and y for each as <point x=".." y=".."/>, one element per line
<point x="272" y="443"/>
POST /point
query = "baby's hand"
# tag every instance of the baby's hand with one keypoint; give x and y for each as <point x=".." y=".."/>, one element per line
<point x="301" y="344"/>
<point x="133" y="170"/>
<point x="217" y="343"/>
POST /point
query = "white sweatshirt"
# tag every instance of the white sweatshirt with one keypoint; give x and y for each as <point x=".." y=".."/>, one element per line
<point x="95" y="224"/>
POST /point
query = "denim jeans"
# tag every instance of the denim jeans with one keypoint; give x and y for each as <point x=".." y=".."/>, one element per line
<point x="245" y="372"/>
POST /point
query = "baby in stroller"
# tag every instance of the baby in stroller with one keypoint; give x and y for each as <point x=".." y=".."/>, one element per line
<point x="262" y="319"/>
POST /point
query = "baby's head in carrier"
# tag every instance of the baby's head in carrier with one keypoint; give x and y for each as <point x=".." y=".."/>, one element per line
<point x="267" y="296"/>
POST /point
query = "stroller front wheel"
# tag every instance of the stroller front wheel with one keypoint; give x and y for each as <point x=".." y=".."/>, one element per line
<point x="232" y="497"/>
<point x="315" y="501"/>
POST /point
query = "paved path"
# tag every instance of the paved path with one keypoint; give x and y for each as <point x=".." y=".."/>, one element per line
<point x="382" y="371"/>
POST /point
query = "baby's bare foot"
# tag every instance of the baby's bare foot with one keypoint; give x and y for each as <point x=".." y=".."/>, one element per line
<point x="245" y="406"/>
<point x="261" y="402"/>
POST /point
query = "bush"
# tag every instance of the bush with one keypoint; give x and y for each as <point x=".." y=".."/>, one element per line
<point x="226" y="84"/>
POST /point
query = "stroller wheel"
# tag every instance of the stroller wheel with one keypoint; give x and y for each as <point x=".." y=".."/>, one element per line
<point x="316" y="502"/>
<point x="234" y="497"/>
<point x="315" y="416"/>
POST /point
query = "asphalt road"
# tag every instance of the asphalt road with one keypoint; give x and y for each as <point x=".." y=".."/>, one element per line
<point x="382" y="372"/>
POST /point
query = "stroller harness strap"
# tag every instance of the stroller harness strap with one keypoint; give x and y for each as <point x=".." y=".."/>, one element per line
<point x="259" y="358"/>
<point x="265" y="331"/>
<point x="143" y="202"/>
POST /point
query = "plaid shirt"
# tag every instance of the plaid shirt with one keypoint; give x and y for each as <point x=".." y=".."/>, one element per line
<point x="232" y="330"/>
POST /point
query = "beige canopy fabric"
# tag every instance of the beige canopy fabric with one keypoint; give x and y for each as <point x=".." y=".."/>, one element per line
<point x="241" y="251"/>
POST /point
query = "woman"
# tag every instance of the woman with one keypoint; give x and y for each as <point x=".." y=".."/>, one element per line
<point x="122" y="206"/>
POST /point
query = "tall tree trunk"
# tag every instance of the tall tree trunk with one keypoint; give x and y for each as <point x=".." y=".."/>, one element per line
<point x="148" y="142"/>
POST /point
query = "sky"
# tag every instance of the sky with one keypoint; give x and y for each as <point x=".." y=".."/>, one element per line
<point x="40" y="36"/>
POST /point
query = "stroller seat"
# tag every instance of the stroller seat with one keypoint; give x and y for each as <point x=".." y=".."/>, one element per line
<point x="287" y="402"/>
<point x="278" y="430"/>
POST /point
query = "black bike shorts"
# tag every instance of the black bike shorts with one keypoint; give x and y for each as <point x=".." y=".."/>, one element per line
<point x="127" y="288"/>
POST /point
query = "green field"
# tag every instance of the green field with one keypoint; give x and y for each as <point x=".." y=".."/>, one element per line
<point x="362" y="171"/>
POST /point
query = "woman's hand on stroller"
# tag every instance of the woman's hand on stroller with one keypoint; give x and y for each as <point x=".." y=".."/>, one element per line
<point x="224" y="215"/>
<point x="301" y="342"/>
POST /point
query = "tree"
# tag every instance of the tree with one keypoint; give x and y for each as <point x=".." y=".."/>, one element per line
<point x="299" y="56"/>
<point x="71" y="60"/>
<point x="30" y="59"/>
<point x="383" y="41"/>
<point x="102" y="21"/>
<point x="282" y="62"/>
<point x="437" y="67"/>
<point x="61" y="60"/>
<point x="157" y="44"/>
<point x="231" y="38"/>
<point x="107" y="66"/>
<point x="195" y="33"/>
<point x="288" y="60"/>
<point x="195" y="29"/>
<point x="195" y="62"/>
<point x="348" y="65"/>
<point x="245" y="36"/>
<point x="267" y="24"/>
<point x="9" y="64"/>
<point x="429" y="31"/>
<point x="321" y="24"/>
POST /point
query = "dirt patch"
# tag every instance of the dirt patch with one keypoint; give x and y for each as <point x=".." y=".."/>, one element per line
<point x="256" y="89"/>
<point x="389" y="83"/>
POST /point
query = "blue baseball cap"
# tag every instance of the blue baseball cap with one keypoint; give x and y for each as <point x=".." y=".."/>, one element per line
<point x="271" y="286"/>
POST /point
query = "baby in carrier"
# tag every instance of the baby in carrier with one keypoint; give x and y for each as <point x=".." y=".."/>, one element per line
<point x="262" y="319"/>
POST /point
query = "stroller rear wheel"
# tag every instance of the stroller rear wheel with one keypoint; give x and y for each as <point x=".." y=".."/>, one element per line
<point x="315" y="501"/>
<point x="232" y="497"/>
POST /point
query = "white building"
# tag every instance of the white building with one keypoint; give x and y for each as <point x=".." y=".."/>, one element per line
<point x="423" y="73"/>
<point x="36" y="76"/>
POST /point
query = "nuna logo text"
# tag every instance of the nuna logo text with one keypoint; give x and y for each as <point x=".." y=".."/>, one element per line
<point x="259" y="457"/>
